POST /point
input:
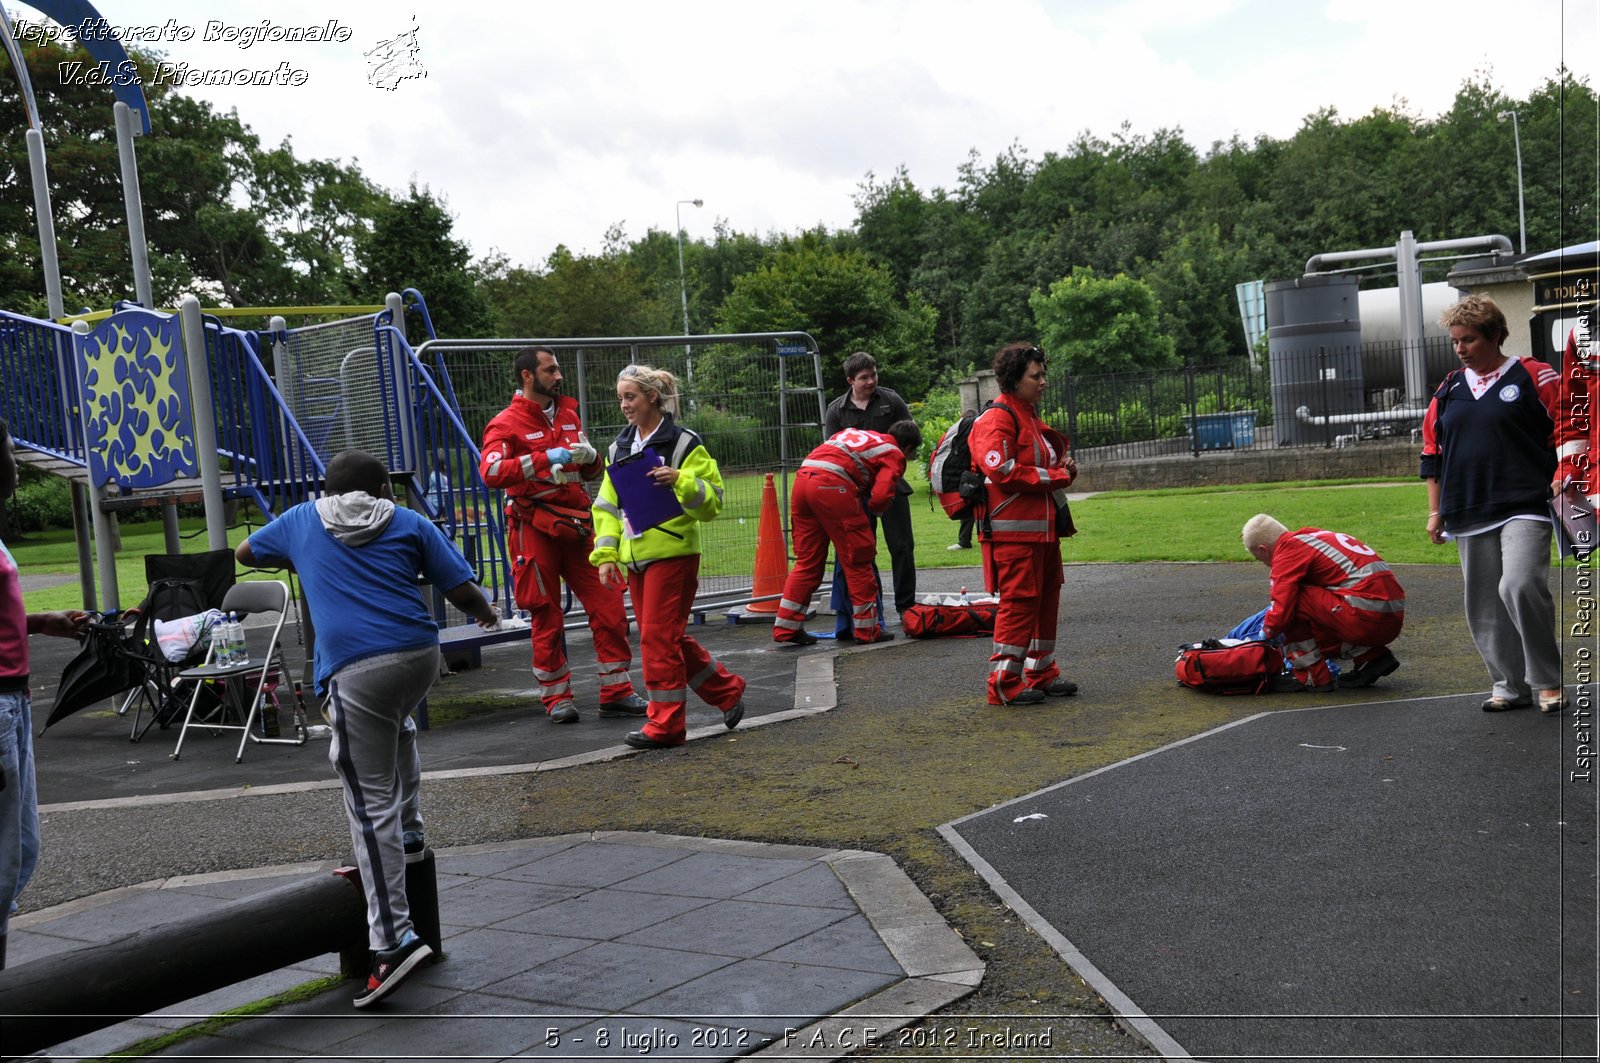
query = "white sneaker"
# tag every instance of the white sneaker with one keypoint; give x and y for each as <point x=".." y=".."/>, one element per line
<point x="957" y="546"/>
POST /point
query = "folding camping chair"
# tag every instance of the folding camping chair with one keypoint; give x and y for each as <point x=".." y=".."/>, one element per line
<point x="181" y="585"/>
<point x="244" y="685"/>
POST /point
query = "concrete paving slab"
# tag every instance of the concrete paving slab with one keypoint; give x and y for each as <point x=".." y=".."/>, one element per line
<point x="792" y="938"/>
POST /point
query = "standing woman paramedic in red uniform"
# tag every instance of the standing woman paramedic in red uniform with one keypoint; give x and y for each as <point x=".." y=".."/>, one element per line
<point x="1024" y="462"/>
<point x="661" y="565"/>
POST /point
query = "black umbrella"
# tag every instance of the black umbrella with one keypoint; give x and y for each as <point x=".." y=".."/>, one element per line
<point x="101" y="670"/>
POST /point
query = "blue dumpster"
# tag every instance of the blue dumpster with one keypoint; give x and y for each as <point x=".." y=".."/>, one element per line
<point x="1223" y="431"/>
<point x="1244" y="428"/>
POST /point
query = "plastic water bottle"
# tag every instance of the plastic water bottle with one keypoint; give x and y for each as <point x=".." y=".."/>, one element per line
<point x="219" y="642"/>
<point x="238" y="653"/>
<point x="964" y="599"/>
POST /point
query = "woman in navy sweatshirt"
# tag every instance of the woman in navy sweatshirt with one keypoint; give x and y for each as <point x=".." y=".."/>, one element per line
<point x="1488" y="457"/>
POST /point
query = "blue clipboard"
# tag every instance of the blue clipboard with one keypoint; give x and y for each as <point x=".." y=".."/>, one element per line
<point x="644" y="502"/>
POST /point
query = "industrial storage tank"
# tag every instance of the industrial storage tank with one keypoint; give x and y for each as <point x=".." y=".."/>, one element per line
<point x="1314" y="349"/>
<point x="1384" y="340"/>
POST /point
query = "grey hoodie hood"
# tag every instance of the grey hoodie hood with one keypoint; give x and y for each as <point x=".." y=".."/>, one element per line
<point x="355" y="517"/>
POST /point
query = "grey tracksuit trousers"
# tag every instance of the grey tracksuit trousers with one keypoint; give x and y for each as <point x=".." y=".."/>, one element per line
<point x="374" y="752"/>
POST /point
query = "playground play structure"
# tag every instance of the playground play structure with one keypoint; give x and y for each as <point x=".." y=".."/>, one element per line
<point x="140" y="407"/>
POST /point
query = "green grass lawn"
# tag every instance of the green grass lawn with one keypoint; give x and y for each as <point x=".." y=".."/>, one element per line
<point x="1194" y="524"/>
<point x="54" y="553"/>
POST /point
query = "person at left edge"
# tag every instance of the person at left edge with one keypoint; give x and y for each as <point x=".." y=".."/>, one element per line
<point x="536" y="452"/>
<point x="839" y="483"/>
<point x="19" y="797"/>
<point x="661" y="565"/>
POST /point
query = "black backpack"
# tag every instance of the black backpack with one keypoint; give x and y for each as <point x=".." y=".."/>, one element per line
<point x="951" y="477"/>
<point x="173" y="598"/>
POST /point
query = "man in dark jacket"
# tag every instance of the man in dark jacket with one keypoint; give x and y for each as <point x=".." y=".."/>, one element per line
<point x="870" y="407"/>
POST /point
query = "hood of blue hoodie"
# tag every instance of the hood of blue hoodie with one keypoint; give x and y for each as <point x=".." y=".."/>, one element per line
<point x="355" y="517"/>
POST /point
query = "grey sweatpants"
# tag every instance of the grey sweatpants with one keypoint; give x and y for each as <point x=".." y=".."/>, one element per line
<point x="1506" y="573"/>
<point x="374" y="752"/>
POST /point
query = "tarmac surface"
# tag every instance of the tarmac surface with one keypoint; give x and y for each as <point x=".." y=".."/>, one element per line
<point x="1203" y="831"/>
<point x="1322" y="884"/>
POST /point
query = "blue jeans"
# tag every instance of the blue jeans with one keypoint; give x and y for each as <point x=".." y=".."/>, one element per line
<point x="19" y="802"/>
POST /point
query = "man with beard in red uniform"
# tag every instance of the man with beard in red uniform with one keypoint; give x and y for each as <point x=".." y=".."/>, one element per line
<point x="1026" y="468"/>
<point x="536" y="452"/>
<point x="839" y="483"/>
<point x="1332" y="596"/>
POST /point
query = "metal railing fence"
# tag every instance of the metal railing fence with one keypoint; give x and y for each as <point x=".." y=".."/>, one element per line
<point x="38" y="396"/>
<point x="1323" y="395"/>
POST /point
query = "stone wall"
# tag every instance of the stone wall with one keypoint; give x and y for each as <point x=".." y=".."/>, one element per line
<point x="1264" y="465"/>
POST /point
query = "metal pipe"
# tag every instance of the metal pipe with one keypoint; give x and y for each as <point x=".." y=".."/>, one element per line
<point x="683" y="285"/>
<point x="134" y="204"/>
<point x="49" y="262"/>
<point x="1522" y="212"/>
<point x="1399" y="413"/>
<point x="56" y="998"/>
<point x="105" y="535"/>
<point x="202" y="407"/>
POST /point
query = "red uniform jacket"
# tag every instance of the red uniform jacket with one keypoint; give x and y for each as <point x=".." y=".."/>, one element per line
<point x="1015" y="454"/>
<point x="513" y="453"/>
<point x="1344" y="565"/>
<point x="870" y="460"/>
<point x="1577" y="420"/>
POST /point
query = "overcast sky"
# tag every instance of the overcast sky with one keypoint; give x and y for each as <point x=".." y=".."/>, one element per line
<point x="544" y="123"/>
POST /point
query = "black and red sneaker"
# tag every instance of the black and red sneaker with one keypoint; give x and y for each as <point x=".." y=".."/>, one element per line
<point x="1369" y="672"/>
<point x="390" y="967"/>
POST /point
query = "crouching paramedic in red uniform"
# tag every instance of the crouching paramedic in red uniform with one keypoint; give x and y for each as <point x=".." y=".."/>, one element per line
<point x="1026" y="466"/>
<point x="1332" y="596"/>
<point x="535" y="451"/>
<point x="838" y="483"/>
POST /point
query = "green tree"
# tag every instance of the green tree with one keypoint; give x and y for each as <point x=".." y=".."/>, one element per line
<point x="223" y="217"/>
<point x="891" y="220"/>
<point x="1194" y="282"/>
<point x="845" y="301"/>
<point x="582" y="295"/>
<point x="1102" y="325"/>
<point x="412" y="245"/>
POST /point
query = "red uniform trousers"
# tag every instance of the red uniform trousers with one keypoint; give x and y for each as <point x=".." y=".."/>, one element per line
<point x="663" y="593"/>
<point x="1324" y="626"/>
<point x="1027" y="577"/>
<point x="826" y="509"/>
<point x="539" y="565"/>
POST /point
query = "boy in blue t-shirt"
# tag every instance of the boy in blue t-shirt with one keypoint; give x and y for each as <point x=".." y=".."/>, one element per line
<point x="377" y="653"/>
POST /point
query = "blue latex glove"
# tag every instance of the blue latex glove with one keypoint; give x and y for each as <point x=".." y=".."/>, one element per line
<point x="558" y="455"/>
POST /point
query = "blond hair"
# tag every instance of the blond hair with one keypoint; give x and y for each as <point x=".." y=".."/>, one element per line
<point x="1261" y="530"/>
<point x="1479" y="313"/>
<point x="658" y="382"/>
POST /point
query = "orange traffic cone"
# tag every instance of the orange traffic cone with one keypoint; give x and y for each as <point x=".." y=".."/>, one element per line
<point x="772" y="554"/>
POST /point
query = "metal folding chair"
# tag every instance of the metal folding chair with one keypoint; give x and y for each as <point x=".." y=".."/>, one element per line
<point x="244" y="684"/>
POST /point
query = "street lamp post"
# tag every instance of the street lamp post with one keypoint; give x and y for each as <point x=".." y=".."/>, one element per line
<point x="1522" y="214"/>
<point x="683" y="286"/>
